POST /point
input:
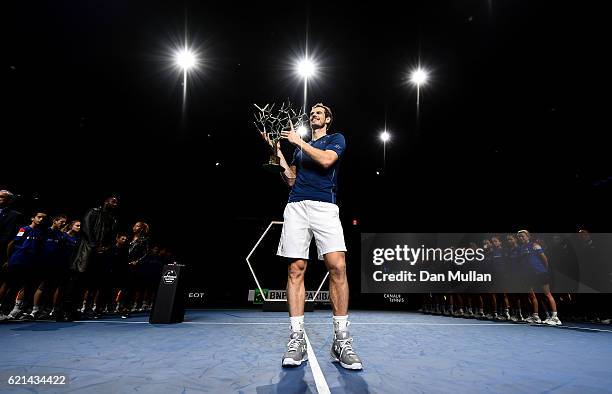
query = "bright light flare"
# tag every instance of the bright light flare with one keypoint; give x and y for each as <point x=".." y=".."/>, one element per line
<point x="306" y="68"/>
<point x="302" y="131"/>
<point x="385" y="136"/>
<point x="419" y="76"/>
<point x="185" y="59"/>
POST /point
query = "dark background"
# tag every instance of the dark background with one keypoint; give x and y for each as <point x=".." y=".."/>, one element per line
<point x="512" y="131"/>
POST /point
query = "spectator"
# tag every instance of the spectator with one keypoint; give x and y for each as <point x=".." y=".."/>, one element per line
<point x="138" y="250"/>
<point x="23" y="253"/>
<point x="535" y="259"/>
<point x="9" y="222"/>
<point x="98" y="229"/>
<point x="48" y="270"/>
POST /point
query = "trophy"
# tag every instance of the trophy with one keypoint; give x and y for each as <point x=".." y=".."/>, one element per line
<point x="272" y="122"/>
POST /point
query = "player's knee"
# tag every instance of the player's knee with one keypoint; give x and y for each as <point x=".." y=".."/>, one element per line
<point x="296" y="276"/>
<point x="296" y="271"/>
<point x="337" y="268"/>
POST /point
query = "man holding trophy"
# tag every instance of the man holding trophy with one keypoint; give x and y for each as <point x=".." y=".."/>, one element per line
<point x="312" y="210"/>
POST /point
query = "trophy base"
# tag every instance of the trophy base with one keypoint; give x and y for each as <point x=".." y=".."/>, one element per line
<point x="273" y="167"/>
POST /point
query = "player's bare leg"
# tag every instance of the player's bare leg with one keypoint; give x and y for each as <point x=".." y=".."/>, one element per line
<point x="296" y="292"/>
<point x="296" y="348"/>
<point x="342" y="348"/>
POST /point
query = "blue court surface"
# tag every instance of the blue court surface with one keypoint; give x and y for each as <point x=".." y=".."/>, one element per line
<point x="220" y="351"/>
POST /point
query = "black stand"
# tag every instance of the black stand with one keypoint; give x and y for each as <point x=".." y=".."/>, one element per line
<point x="169" y="304"/>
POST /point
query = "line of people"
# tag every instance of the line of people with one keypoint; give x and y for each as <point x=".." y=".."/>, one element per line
<point x="528" y="261"/>
<point x="65" y="270"/>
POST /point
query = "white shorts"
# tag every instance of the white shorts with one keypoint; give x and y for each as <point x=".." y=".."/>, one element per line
<point x="302" y="220"/>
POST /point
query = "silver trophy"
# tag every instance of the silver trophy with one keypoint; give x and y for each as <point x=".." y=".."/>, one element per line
<point x="273" y="122"/>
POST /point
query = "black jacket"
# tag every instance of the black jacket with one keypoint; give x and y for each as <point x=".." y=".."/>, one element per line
<point x="138" y="249"/>
<point x="98" y="229"/>
<point x="10" y="220"/>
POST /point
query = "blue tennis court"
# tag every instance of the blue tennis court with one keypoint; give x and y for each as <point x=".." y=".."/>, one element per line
<point x="240" y="351"/>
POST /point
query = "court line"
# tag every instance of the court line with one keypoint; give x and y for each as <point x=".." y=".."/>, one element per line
<point x="320" y="382"/>
<point x="583" y="328"/>
<point x="368" y="323"/>
<point x="110" y="321"/>
<point x="353" y="323"/>
<point x="313" y="323"/>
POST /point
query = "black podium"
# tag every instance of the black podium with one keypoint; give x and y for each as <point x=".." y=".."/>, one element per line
<point x="169" y="304"/>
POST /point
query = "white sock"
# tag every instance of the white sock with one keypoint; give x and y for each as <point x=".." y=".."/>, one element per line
<point x="17" y="307"/>
<point x="297" y="323"/>
<point x="35" y="309"/>
<point x="340" y="323"/>
<point x="554" y="314"/>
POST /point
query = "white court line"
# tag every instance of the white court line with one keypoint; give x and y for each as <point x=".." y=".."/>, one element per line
<point x="435" y="324"/>
<point x="356" y="324"/>
<point x="320" y="382"/>
<point x="110" y="321"/>
<point x="316" y="323"/>
<point x="585" y="328"/>
<point x="367" y="323"/>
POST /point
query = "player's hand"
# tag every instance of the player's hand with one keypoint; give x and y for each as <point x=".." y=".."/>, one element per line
<point x="291" y="136"/>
